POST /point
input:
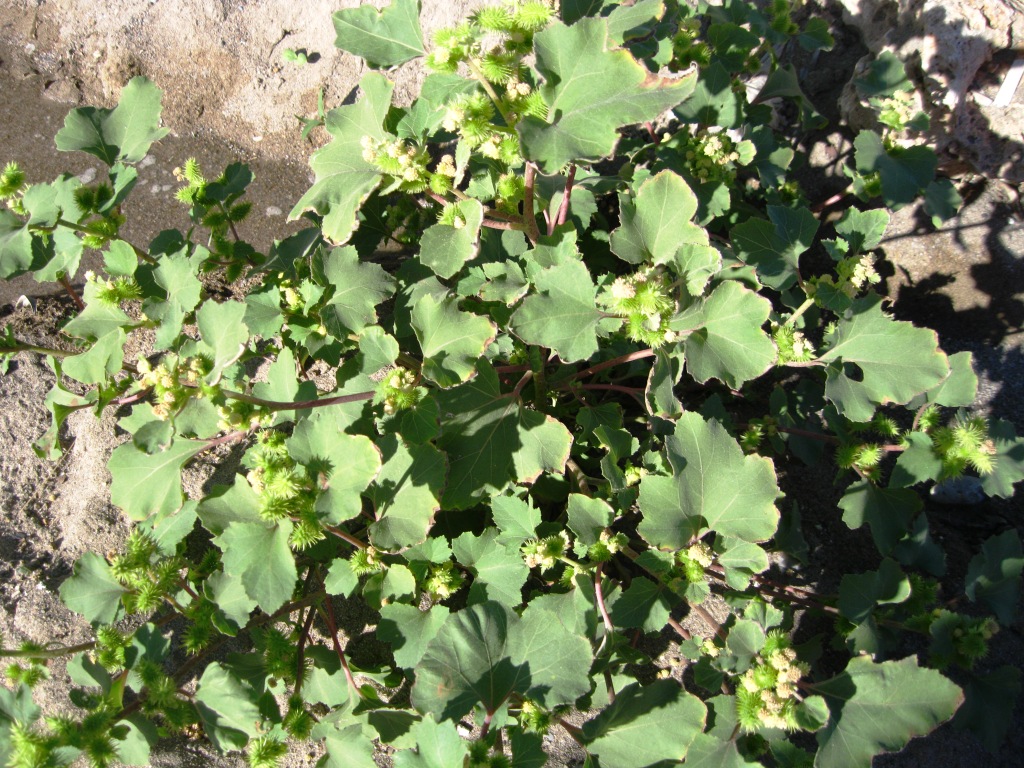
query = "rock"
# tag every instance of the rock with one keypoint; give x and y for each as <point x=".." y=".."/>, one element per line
<point x="945" y="44"/>
<point x="964" y="490"/>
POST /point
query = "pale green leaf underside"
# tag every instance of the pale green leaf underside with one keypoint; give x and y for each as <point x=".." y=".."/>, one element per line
<point x="384" y="38"/>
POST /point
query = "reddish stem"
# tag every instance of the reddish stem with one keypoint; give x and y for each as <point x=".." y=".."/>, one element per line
<point x="638" y="355"/>
<point x="563" y="209"/>
<point x="72" y="292"/>
<point x="333" y="628"/>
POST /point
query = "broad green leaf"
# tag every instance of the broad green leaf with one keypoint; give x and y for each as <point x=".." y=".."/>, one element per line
<point x="709" y="751"/>
<point x="993" y="576"/>
<point x="714" y="487"/>
<point x="223" y="334"/>
<point x="408" y="630"/>
<point x="572" y="11"/>
<point x="657" y="221"/>
<point x="125" y="132"/>
<point x="384" y="38"/>
<point x="562" y="315"/>
<point x="863" y="230"/>
<point x="347" y="747"/>
<point x="498" y="570"/>
<point x="886" y="75"/>
<point x="468" y="663"/>
<point x="485" y="653"/>
<point x="988" y="707"/>
<point x="144" y="484"/>
<point x="860" y="593"/>
<point x="343" y="465"/>
<point x="1008" y="458"/>
<point x="660" y="397"/>
<point x="446" y="248"/>
<point x="133" y="748"/>
<point x="642" y="605"/>
<point x="960" y="388"/>
<point x="516" y="519"/>
<point x="941" y="201"/>
<point x="358" y="289"/>
<point x="405" y="493"/>
<point x="227" y="592"/>
<point x="888" y="511"/>
<point x="263" y="315"/>
<point x="905" y="171"/>
<point x="773" y="247"/>
<point x="343" y="178"/>
<point x="452" y="341"/>
<point x="92" y="590"/>
<point x="714" y="101"/>
<point x="341" y="580"/>
<point x="591" y="89"/>
<point x="176" y="275"/>
<point x="227" y="707"/>
<point x="588" y="517"/>
<point x="646" y="726"/>
<point x="259" y="554"/>
<point x="896" y="360"/>
<point x="236" y="503"/>
<point x="493" y="440"/>
<point x="726" y="340"/>
<point x="16" y="241"/>
<point x="101" y="361"/>
<point x="630" y="21"/>
<point x="879" y="708"/>
<point x="438" y="745"/>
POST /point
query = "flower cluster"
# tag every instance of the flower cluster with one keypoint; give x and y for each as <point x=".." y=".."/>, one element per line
<point x="444" y="580"/>
<point x="602" y="550"/>
<point x="766" y="694"/>
<point x="711" y="156"/>
<point x="792" y="345"/>
<point x="399" y="390"/>
<point x="545" y="553"/>
<point x="284" y="488"/>
<point x="695" y="561"/>
<point x="173" y="381"/>
<point x="403" y="160"/>
<point x="645" y="300"/>
<point x="113" y="292"/>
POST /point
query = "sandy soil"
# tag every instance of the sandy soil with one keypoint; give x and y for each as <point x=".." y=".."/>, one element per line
<point x="228" y="96"/>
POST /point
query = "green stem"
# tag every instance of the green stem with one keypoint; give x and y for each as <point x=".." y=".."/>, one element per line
<point x="486" y="85"/>
<point x="529" y="215"/>
<point x="21" y="346"/>
<point x="808" y="303"/>
<point x="638" y="355"/>
<point x="278" y="405"/>
<point x="87" y="231"/>
<point x="46" y="653"/>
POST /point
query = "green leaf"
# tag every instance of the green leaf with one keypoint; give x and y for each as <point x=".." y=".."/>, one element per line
<point x="941" y="201"/>
<point x="562" y="314"/>
<point x="727" y="341"/>
<point x="340" y="579"/>
<point x="227" y="592"/>
<point x="714" y="487"/>
<point x="657" y="221"/>
<point x="144" y="484"/>
<point x="101" y="361"/>
<point x="1008" y="458"/>
<point x="863" y="230"/>
<point x="879" y="708"/>
<point x="259" y="554"/>
<point x="405" y="493"/>
<point x="643" y="604"/>
<point x="227" y="707"/>
<point x="499" y="572"/>
<point x="960" y="388"/>
<point x="591" y="89"/>
<point x="263" y="316"/>
<point x="445" y="248"/>
<point x="452" y="341"/>
<point x="92" y="590"/>
<point x="438" y="745"/>
<point x="626" y="22"/>
<point x="988" y="707"/>
<point x="408" y="630"/>
<point x="358" y="289"/>
<point x="343" y="178"/>
<point x="861" y="593"/>
<point x="223" y="334"/>
<point x="176" y="276"/>
<point x="493" y="440"/>
<point x="993" y="576"/>
<point x="588" y="517"/>
<point x="714" y="102"/>
<point x="516" y="519"/>
<point x="124" y="133"/>
<point x="905" y="171"/>
<point x="343" y="465"/>
<point x="907" y="363"/>
<point x="888" y="511"/>
<point x="773" y="247"/>
<point x="385" y="38"/>
<point x="484" y="653"/>
<point x="347" y="747"/>
<point x="237" y="503"/>
<point x="886" y="75"/>
<point x="646" y="726"/>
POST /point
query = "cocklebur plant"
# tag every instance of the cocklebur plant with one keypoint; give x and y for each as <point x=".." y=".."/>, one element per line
<point x="556" y="425"/>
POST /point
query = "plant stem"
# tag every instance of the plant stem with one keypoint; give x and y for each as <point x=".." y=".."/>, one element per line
<point x="348" y="537"/>
<point x="277" y="405"/>
<point x="710" y="620"/>
<point x="333" y="628"/>
<point x="486" y="85"/>
<point x="609" y="628"/>
<point x="485" y="729"/>
<point x="638" y="355"/>
<point x="563" y="209"/>
<point x="808" y="303"/>
<point x="86" y="231"/>
<point x="21" y="346"/>
<point x="70" y="290"/>
<point x="47" y="653"/>
<point x="529" y="215"/>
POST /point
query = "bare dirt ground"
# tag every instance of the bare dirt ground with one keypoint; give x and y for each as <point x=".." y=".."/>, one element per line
<point x="229" y="95"/>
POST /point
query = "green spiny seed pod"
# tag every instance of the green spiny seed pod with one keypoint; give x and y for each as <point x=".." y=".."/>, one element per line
<point x="533" y="15"/>
<point x="12" y="181"/>
<point x="495" y="19"/>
